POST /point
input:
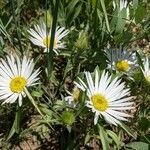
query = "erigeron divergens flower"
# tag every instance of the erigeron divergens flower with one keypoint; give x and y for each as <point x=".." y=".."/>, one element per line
<point x="15" y="75"/>
<point x="121" y="60"/>
<point x="107" y="97"/>
<point x="40" y="36"/>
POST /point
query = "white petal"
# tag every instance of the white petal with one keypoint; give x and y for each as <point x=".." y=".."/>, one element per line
<point x="96" y="118"/>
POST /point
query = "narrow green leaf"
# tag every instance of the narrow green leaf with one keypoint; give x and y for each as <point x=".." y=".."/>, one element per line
<point x="71" y="6"/>
<point x="105" y="14"/>
<point x="127" y="129"/>
<point x="140" y="13"/>
<point x="139" y="59"/>
<point x="37" y="93"/>
<point x="103" y="137"/>
<point x="67" y="68"/>
<point x="144" y="124"/>
<point x="15" y="127"/>
<point x="138" y="145"/>
<point x="135" y="3"/>
<point x="115" y="138"/>
<point x="77" y="11"/>
<point x="87" y="138"/>
<point x="121" y="20"/>
<point x="93" y="3"/>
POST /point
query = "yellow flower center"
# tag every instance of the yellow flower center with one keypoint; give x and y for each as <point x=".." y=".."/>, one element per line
<point x="17" y="84"/>
<point x="122" y="65"/>
<point x="99" y="102"/>
<point x="47" y="41"/>
<point x="76" y="94"/>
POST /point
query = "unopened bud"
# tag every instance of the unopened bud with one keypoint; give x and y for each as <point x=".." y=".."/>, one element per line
<point x="68" y="117"/>
<point x="82" y="41"/>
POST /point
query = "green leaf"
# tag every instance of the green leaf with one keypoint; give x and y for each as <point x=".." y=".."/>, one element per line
<point x="100" y="16"/>
<point x="93" y="3"/>
<point x="46" y="111"/>
<point x="140" y="13"/>
<point x="71" y="6"/>
<point x="144" y="124"/>
<point x="127" y="129"/>
<point x="121" y="20"/>
<point x="87" y="138"/>
<point x="135" y="3"/>
<point x="67" y="68"/>
<point x="138" y="145"/>
<point x="115" y="138"/>
<point x="113" y="21"/>
<point x="15" y="127"/>
<point x="37" y="93"/>
<point x="103" y="137"/>
<point x="139" y="59"/>
<point x="77" y="11"/>
<point x="105" y="14"/>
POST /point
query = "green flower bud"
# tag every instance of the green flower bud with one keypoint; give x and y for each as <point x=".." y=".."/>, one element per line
<point x="68" y="117"/>
<point x="82" y="41"/>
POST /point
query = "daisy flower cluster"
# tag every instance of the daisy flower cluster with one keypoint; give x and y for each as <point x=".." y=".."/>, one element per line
<point x="107" y="96"/>
<point x="74" y="74"/>
<point x="16" y="74"/>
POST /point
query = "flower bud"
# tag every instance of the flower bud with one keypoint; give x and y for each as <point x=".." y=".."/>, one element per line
<point x="68" y="117"/>
<point x="82" y="41"/>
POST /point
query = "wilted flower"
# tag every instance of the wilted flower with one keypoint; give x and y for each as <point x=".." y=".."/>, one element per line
<point x="15" y="75"/>
<point x="41" y="37"/>
<point x="74" y="97"/>
<point x="146" y="69"/>
<point x="107" y="97"/>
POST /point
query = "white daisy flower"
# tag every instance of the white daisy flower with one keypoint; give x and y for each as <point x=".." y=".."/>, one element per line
<point x="107" y="97"/>
<point x="121" y="60"/>
<point x="15" y="75"/>
<point x="73" y="97"/>
<point x="41" y="37"/>
<point x="146" y="69"/>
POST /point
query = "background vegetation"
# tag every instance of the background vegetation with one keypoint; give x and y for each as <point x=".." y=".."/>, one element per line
<point x="93" y="25"/>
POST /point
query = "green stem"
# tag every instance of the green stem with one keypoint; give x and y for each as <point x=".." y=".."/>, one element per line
<point x="32" y="101"/>
<point x="35" y="105"/>
<point x="50" y="52"/>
